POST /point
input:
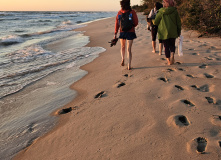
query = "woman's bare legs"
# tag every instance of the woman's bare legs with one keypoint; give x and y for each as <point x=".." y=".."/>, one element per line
<point x="168" y="61"/>
<point x="122" y="42"/>
<point x="172" y="60"/>
<point x="154" y="46"/>
<point x="129" y="46"/>
<point x="160" y="48"/>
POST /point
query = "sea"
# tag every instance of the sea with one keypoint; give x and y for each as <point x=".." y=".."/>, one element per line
<point x="25" y="60"/>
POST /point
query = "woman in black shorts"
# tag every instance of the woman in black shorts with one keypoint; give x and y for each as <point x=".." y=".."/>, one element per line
<point x="128" y="35"/>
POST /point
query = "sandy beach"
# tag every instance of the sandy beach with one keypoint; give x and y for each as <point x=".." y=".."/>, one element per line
<point x="152" y="112"/>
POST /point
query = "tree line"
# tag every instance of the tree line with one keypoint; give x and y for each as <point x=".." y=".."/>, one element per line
<point x="201" y="15"/>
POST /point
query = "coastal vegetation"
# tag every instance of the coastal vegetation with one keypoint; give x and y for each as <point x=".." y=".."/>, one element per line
<point x="201" y="15"/>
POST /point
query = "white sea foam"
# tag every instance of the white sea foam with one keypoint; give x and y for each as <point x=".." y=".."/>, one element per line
<point x="65" y="27"/>
<point x="28" y="54"/>
<point x="71" y="65"/>
<point x="51" y="83"/>
<point x="11" y="39"/>
<point x="67" y="22"/>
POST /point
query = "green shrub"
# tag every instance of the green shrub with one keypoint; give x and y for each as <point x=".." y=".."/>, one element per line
<point x="201" y="15"/>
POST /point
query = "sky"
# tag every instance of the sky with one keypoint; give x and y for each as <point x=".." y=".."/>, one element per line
<point x="62" y="5"/>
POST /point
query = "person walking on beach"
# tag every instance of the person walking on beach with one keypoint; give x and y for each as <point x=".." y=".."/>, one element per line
<point x="126" y="20"/>
<point x="150" y="21"/>
<point x="169" y="28"/>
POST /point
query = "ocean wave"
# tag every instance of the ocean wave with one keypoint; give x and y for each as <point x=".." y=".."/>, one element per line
<point x="67" y="23"/>
<point x="19" y="31"/>
<point x="60" y="28"/>
<point x="18" y="79"/>
<point x="46" y="20"/>
<point x="41" y="21"/>
<point x="67" y="27"/>
<point x="4" y="14"/>
<point x="11" y="39"/>
<point x="12" y="19"/>
<point x="36" y="59"/>
<point x="28" y="54"/>
<point x="79" y="22"/>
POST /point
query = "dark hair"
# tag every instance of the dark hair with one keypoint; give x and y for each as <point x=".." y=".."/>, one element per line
<point x="158" y="5"/>
<point x="125" y="5"/>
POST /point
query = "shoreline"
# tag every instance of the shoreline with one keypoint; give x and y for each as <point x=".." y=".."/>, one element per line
<point x="33" y="99"/>
<point x="107" y="123"/>
<point x="63" y="119"/>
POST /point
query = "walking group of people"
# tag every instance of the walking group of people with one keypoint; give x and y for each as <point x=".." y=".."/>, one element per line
<point x="163" y="20"/>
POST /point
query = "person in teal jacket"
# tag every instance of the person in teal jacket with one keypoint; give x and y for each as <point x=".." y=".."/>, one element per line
<point x="169" y="28"/>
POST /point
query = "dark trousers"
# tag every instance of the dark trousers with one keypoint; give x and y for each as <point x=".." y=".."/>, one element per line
<point x="169" y="45"/>
<point x="154" y="33"/>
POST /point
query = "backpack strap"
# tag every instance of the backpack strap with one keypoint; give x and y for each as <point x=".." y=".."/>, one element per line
<point x="119" y="17"/>
<point x="131" y="16"/>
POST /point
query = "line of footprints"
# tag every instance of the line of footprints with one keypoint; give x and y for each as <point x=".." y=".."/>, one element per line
<point x="181" y="120"/>
<point x="97" y="96"/>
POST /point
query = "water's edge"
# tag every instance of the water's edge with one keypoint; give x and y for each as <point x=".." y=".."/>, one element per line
<point x="79" y="73"/>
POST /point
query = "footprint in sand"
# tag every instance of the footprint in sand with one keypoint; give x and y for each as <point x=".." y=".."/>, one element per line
<point x="212" y="47"/>
<point x="208" y="51"/>
<point x="189" y="75"/>
<point x="204" y="88"/>
<point x="208" y="58"/>
<point x="120" y="84"/>
<point x="188" y="103"/>
<point x="178" y="63"/>
<point x="218" y="102"/>
<point x="203" y="66"/>
<point x="65" y="111"/>
<point x="126" y="75"/>
<point x="180" y="69"/>
<point x="163" y="79"/>
<point x="210" y="100"/>
<point x="202" y="45"/>
<point x="178" y="121"/>
<point x="179" y="87"/>
<point x="214" y="132"/>
<point x="195" y="54"/>
<point x="219" y="117"/>
<point x="170" y="70"/>
<point x="208" y="75"/>
<point x="100" y="94"/>
<point x="194" y="86"/>
<point x="216" y="120"/>
<point x="181" y="120"/>
<point x="201" y="145"/>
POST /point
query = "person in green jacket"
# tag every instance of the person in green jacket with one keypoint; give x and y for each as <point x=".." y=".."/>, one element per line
<point x="169" y="28"/>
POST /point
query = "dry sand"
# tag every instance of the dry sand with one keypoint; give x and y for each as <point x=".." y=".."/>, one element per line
<point x="152" y="112"/>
